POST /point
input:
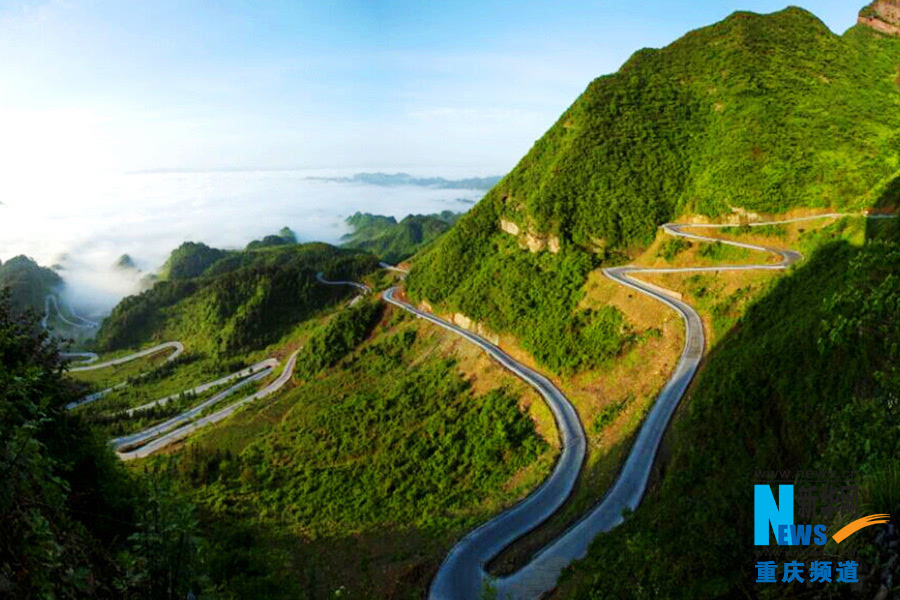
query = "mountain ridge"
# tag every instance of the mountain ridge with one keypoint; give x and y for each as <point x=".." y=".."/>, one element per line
<point x="757" y="114"/>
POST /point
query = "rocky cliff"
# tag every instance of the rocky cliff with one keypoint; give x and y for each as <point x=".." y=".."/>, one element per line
<point x="883" y="16"/>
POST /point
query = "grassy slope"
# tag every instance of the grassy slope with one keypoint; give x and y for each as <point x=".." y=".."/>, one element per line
<point x="613" y="399"/>
<point x="765" y="112"/>
<point x="808" y="373"/>
<point x="362" y="475"/>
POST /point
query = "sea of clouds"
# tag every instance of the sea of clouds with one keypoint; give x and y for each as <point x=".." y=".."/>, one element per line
<point x="84" y="225"/>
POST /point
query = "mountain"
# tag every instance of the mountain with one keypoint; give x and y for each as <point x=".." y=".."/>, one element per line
<point x="755" y="113"/>
<point x="761" y="112"/>
<point x="394" y="242"/>
<point x="395" y="179"/>
<point x="367" y="226"/>
<point x="394" y="439"/>
<point x="226" y="302"/>
<point x="189" y="260"/>
<point x="285" y="236"/>
<point x="28" y="283"/>
<point x="393" y="442"/>
<point x="125" y="263"/>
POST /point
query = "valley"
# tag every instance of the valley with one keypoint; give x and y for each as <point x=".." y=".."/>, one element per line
<point x="568" y="391"/>
<point x="465" y="563"/>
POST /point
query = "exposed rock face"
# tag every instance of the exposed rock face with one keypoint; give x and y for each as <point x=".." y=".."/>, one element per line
<point x="509" y="227"/>
<point x="883" y="16"/>
<point x="535" y="242"/>
<point x="466" y="323"/>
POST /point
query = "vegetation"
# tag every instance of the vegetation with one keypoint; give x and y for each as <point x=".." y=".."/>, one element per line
<point x="761" y="112"/>
<point x="28" y="283"/>
<point x="285" y="237"/>
<point x="189" y="260"/>
<point x="672" y="247"/>
<point x="394" y="242"/>
<point x="74" y="523"/>
<point x="125" y="263"/>
<point x="360" y="478"/>
<point x="810" y="375"/>
<point x="534" y="296"/>
<point x="339" y="337"/>
<point x="243" y="301"/>
<point x="719" y="252"/>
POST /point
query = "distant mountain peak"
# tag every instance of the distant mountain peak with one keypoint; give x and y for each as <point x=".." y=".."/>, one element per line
<point x="125" y="262"/>
<point x="882" y="15"/>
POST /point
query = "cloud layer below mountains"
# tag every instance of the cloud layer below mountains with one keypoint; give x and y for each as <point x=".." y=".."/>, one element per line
<point x="85" y="225"/>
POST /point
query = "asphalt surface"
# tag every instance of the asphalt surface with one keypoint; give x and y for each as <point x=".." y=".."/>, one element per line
<point x="51" y="298"/>
<point x="385" y="265"/>
<point x="83" y="358"/>
<point x="360" y="286"/>
<point x="462" y="572"/>
<point x="160" y="436"/>
<point x="462" y="575"/>
<point x="178" y="348"/>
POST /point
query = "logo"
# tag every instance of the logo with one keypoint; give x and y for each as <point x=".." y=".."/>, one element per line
<point x="809" y="502"/>
<point x="771" y="516"/>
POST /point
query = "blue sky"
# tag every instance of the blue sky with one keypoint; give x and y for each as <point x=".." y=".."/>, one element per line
<point x="466" y="85"/>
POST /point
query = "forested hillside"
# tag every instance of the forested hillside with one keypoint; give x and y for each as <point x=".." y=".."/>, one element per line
<point x="75" y="524"/>
<point x="394" y="242"/>
<point x="28" y="283"/>
<point x="236" y="302"/>
<point x="760" y="112"/>
<point x="394" y="441"/>
<point x="807" y="380"/>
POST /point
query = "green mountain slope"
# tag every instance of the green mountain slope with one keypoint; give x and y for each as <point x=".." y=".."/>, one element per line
<point x="284" y="237"/>
<point x="28" y="283"/>
<point x="190" y="260"/>
<point x="75" y="523"/>
<point x="393" y="442"/>
<point x="808" y="379"/>
<point x="761" y="112"/>
<point x="238" y="302"/>
<point x="394" y="242"/>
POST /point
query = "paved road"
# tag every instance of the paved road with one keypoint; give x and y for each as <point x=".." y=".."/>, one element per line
<point x="152" y="439"/>
<point x="269" y="363"/>
<point x="385" y="265"/>
<point x="91" y="357"/>
<point x="461" y="575"/>
<point x="163" y="435"/>
<point x="51" y="299"/>
<point x="360" y="286"/>
<point x="83" y="357"/>
<point x="177" y="346"/>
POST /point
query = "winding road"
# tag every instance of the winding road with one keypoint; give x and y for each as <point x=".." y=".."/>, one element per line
<point x="178" y="348"/>
<point x="360" y="286"/>
<point x="153" y="439"/>
<point x="462" y="575"/>
<point x="51" y="298"/>
<point x="160" y="436"/>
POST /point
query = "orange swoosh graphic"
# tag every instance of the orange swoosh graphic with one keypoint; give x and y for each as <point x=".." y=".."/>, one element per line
<point x="851" y="528"/>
